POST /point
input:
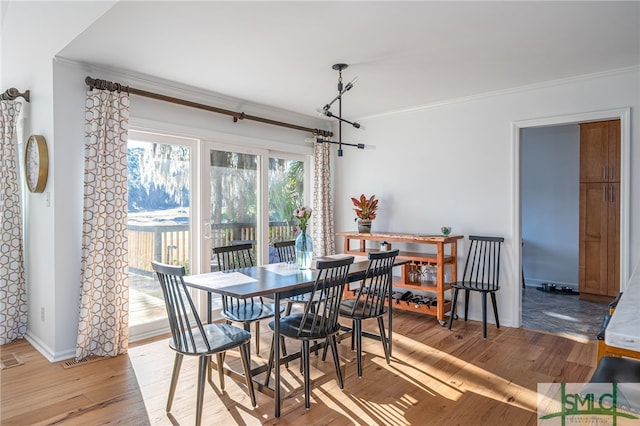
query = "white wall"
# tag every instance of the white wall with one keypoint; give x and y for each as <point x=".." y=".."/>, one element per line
<point x="550" y="194"/>
<point x="32" y="33"/>
<point x="455" y="164"/>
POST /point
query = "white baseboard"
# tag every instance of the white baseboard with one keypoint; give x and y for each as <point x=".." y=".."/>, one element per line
<point x="47" y="352"/>
<point x="532" y="282"/>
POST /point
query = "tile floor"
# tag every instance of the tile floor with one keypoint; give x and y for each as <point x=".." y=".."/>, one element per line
<point x="562" y="314"/>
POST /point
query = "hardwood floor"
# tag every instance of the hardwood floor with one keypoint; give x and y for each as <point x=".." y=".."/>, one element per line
<point x="436" y="376"/>
<point x="43" y="393"/>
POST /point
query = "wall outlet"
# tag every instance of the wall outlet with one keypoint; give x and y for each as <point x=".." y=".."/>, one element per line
<point x="42" y="314"/>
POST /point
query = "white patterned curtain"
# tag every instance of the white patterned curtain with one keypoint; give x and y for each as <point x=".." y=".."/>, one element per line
<point x="323" y="233"/>
<point x="103" y="328"/>
<point x="13" y="294"/>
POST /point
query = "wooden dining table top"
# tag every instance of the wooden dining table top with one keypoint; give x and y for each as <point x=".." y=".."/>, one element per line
<point x="284" y="278"/>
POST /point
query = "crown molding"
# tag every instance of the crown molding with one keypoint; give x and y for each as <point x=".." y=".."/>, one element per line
<point x="192" y="93"/>
<point x="512" y="90"/>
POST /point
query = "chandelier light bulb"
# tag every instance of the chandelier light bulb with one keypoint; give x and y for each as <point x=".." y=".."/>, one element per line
<point x="350" y="84"/>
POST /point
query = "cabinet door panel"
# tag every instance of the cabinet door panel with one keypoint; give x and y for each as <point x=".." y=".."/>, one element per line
<point x="613" y="154"/>
<point x="593" y="259"/>
<point x="613" y="239"/>
<point x="594" y="150"/>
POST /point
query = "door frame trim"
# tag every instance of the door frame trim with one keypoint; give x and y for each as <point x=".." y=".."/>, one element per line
<point x="624" y="115"/>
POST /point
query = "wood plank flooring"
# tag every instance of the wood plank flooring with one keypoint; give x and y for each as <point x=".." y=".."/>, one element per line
<point x="43" y="393"/>
<point x="436" y="376"/>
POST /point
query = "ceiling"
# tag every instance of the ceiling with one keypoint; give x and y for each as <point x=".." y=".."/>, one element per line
<point x="406" y="54"/>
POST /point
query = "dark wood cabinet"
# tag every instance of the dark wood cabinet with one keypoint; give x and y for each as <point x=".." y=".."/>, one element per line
<point x="600" y="151"/>
<point x="599" y="239"/>
<point x="599" y="251"/>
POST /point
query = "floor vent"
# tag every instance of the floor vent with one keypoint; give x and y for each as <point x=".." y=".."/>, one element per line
<point x="9" y="360"/>
<point x="73" y="363"/>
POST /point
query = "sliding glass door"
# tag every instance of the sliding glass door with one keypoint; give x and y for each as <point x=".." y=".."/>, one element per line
<point x="176" y="216"/>
<point x="251" y="198"/>
<point x="159" y="222"/>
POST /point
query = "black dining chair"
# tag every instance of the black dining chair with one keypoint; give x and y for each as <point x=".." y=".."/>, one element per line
<point x="286" y="250"/>
<point x="245" y="311"/>
<point x="190" y="337"/>
<point x="371" y="301"/>
<point x="287" y="253"/>
<point x="319" y="320"/>
<point x="481" y="274"/>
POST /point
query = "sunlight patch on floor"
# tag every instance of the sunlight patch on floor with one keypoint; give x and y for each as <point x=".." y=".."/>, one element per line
<point x="445" y="382"/>
<point x="561" y="316"/>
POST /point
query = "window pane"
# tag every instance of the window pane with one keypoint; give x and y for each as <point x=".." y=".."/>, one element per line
<point x="286" y="193"/>
<point x="158" y="208"/>
<point x="234" y="199"/>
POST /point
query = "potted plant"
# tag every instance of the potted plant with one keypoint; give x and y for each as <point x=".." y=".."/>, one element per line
<point x="365" y="209"/>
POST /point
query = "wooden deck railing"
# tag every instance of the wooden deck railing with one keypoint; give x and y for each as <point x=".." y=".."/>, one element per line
<point x="171" y="243"/>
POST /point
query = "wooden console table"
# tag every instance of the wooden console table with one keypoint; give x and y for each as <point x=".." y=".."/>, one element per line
<point x="440" y="259"/>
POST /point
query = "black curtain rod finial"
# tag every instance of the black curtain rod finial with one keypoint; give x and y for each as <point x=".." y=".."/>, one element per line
<point x="105" y="85"/>
<point x="13" y="93"/>
<point x="237" y="117"/>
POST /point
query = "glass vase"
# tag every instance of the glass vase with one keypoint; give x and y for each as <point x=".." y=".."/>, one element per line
<point x="304" y="250"/>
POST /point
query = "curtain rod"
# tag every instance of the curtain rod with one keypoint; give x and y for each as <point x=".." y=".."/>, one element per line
<point x="108" y="85"/>
<point x="13" y="93"/>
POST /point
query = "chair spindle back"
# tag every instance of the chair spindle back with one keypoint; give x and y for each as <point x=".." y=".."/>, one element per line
<point x="320" y="317"/>
<point x="184" y="320"/>
<point x="235" y="256"/>
<point x="372" y="294"/>
<point x="286" y="250"/>
<point x="482" y="266"/>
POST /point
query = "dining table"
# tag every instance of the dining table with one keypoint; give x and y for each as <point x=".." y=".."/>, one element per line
<point x="276" y="281"/>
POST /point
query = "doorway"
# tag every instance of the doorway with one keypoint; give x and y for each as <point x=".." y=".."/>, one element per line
<point x="567" y="228"/>
<point x="550" y="190"/>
